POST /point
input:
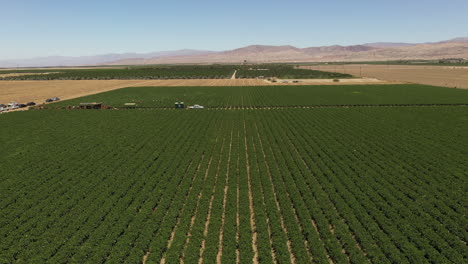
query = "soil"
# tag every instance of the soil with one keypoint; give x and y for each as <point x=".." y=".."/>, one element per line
<point x="253" y="225"/>
<point x="38" y="91"/>
<point x="431" y="75"/>
<point x="23" y="74"/>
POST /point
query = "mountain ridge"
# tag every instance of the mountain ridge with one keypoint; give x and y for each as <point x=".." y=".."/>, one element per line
<point x="287" y="53"/>
<point x="457" y="47"/>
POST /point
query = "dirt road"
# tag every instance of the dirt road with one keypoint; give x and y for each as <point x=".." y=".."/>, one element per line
<point x="234" y="75"/>
<point x="432" y="75"/>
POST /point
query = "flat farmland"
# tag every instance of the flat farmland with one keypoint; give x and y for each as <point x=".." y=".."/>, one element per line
<point x="239" y="185"/>
<point x="334" y="185"/>
<point x="38" y="91"/>
<point x="447" y="76"/>
<point x="274" y="96"/>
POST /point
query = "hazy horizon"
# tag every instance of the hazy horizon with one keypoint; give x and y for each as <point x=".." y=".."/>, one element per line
<point x="85" y="28"/>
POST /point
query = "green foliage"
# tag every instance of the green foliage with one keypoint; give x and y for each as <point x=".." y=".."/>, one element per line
<point x="175" y="72"/>
<point x="147" y="73"/>
<point x="348" y="185"/>
<point x="275" y="96"/>
<point x="285" y="72"/>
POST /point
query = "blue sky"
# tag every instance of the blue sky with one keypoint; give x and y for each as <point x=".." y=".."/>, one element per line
<point x="72" y="28"/>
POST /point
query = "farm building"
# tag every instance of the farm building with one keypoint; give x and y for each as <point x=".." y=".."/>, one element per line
<point x="90" y="105"/>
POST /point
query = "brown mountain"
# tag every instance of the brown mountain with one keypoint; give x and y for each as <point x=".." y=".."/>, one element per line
<point x="453" y="48"/>
<point x="422" y="51"/>
<point x="264" y="54"/>
<point x="400" y="44"/>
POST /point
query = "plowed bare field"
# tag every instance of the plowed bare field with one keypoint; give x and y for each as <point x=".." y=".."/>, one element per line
<point x="23" y="74"/>
<point x="38" y="91"/>
<point x="431" y="75"/>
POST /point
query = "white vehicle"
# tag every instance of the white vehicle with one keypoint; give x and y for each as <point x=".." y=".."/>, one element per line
<point x="196" y="107"/>
<point x="12" y="104"/>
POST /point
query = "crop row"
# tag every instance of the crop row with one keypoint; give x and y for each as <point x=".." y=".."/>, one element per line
<point x="285" y="72"/>
<point x="172" y="72"/>
<point x="279" y="186"/>
<point x="148" y="73"/>
<point x="277" y="96"/>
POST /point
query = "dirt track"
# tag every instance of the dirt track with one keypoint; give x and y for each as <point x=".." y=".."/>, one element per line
<point x="432" y="75"/>
<point x="38" y="91"/>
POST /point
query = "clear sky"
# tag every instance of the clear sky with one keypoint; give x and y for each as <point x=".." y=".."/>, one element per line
<point x="31" y="28"/>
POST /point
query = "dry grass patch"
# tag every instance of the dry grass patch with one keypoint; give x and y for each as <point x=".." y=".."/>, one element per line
<point x="431" y="75"/>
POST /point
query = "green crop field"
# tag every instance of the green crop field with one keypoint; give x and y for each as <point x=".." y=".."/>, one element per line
<point x="286" y="72"/>
<point x="156" y="72"/>
<point x="220" y="185"/>
<point x="171" y="72"/>
<point x="258" y="96"/>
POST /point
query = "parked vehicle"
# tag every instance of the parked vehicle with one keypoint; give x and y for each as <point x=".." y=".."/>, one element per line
<point x="49" y="100"/>
<point x="196" y="107"/>
<point x="12" y="104"/>
<point x="31" y="104"/>
<point x="21" y="105"/>
<point x="55" y="99"/>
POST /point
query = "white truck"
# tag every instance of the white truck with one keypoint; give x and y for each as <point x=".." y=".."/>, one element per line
<point x="13" y="105"/>
<point x="196" y="107"/>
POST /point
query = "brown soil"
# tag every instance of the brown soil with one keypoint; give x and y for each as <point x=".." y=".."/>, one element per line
<point x="192" y="220"/>
<point x="23" y="74"/>
<point x="253" y="226"/>
<point x="194" y="217"/>
<point x="38" y="91"/>
<point x="431" y="75"/>
<point x="210" y="208"/>
<point x="174" y="230"/>
<point x="283" y="226"/>
<point x="223" y="217"/>
<point x="145" y="257"/>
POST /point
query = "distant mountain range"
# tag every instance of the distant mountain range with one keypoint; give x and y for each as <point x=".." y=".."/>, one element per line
<point x="397" y="44"/>
<point x="454" y="48"/>
<point x="95" y="60"/>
